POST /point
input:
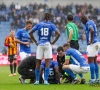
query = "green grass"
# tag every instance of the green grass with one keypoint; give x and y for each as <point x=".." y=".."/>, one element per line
<point x="12" y="83"/>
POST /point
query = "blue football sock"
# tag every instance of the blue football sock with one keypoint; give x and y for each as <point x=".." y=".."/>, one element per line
<point x="70" y="73"/>
<point x="81" y="75"/>
<point x="96" y="70"/>
<point x="92" y="70"/>
<point x="46" y="74"/>
<point x="37" y="74"/>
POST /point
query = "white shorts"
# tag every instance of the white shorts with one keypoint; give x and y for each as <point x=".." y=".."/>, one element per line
<point x="24" y="55"/>
<point x="44" y="51"/>
<point x="92" y="49"/>
<point x="79" y="70"/>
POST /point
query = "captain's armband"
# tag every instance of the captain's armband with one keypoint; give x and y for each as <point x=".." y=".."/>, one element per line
<point x="67" y="57"/>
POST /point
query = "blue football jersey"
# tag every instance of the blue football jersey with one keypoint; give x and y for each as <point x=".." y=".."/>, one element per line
<point x="91" y="24"/>
<point x="24" y="36"/>
<point x="76" y="57"/>
<point x="45" y="30"/>
<point x="52" y="75"/>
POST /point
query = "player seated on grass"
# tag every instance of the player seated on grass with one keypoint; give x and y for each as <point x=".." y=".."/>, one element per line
<point x="64" y="78"/>
<point x="79" y="64"/>
<point x="54" y="76"/>
<point x="27" y="69"/>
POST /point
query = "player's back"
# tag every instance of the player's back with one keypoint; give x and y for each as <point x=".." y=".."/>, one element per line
<point x="76" y="57"/>
<point x="45" y="31"/>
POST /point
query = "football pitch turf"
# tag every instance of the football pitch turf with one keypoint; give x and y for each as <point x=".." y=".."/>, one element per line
<point x="12" y="83"/>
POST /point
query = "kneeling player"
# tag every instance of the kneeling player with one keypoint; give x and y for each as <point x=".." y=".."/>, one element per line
<point x="78" y="66"/>
<point x="54" y="77"/>
<point x="27" y="69"/>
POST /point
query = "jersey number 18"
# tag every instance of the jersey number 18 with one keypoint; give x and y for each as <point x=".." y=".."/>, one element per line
<point x="44" y="31"/>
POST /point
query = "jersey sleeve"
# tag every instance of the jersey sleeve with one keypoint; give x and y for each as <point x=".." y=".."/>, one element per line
<point x="42" y="64"/>
<point x="67" y="55"/>
<point x="69" y="27"/>
<point x="18" y="34"/>
<point x="54" y="28"/>
<point x="90" y="26"/>
<point x="35" y="27"/>
<point x="6" y="42"/>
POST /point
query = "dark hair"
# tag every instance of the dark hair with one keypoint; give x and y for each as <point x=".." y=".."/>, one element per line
<point x="70" y="17"/>
<point x="47" y="16"/>
<point x="28" y="22"/>
<point x="66" y="45"/>
<point x="12" y="30"/>
<point x="60" y="48"/>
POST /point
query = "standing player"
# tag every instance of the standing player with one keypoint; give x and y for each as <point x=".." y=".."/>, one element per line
<point x="12" y="51"/>
<point x="92" y="47"/>
<point x="23" y="38"/>
<point x="54" y="76"/>
<point x="78" y="64"/>
<point x="72" y="32"/>
<point x="44" y="48"/>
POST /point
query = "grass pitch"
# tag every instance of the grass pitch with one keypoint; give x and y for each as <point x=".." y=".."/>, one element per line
<point x="12" y="83"/>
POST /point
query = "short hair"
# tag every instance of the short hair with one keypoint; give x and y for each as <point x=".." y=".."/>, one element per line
<point x="70" y="17"/>
<point x="12" y="30"/>
<point x="60" y="48"/>
<point x="28" y="22"/>
<point x="47" y="16"/>
<point x="66" y="45"/>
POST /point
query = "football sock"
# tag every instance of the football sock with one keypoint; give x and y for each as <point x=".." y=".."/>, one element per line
<point x="46" y="74"/>
<point x="96" y="70"/>
<point x="81" y="75"/>
<point x="11" y="68"/>
<point x="70" y="73"/>
<point x="14" y="67"/>
<point x="92" y="70"/>
<point x="37" y="74"/>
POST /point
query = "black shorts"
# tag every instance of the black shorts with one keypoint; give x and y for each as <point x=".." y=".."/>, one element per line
<point x="11" y="58"/>
<point x="74" y="44"/>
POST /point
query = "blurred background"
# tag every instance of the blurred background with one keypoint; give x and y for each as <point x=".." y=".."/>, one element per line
<point x="13" y="15"/>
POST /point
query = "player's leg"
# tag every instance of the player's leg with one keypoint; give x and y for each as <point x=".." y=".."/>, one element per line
<point x="39" y="56"/>
<point x="91" y="55"/>
<point x="47" y="56"/>
<point x="68" y="70"/>
<point x="10" y="59"/>
<point x="15" y="64"/>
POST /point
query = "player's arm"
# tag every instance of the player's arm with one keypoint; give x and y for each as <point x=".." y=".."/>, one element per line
<point x="70" y="34"/>
<point x="57" y="33"/>
<point x="31" y="33"/>
<point x="91" y="35"/>
<point x="67" y="58"/>
<point x="57" y="71"/>
<point x="18" y="37"/>
<point x="6" y="43"/>
<point x="32" y="37"/>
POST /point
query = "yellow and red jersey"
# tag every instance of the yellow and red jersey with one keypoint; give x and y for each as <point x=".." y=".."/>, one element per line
<point x="8" y="41"/>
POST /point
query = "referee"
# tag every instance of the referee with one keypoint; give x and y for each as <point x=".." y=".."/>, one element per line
<point x="72" y="32"/>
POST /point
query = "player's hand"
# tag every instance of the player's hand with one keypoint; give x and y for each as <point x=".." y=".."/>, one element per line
<point x="89" y="42"/>
<point x="11" y="45"/>
<point x="26" y="43"/>
<point x="51" y="43"/>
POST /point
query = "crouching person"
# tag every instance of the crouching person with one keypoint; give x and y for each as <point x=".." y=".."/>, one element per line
<point x="54" y="76"/>
<point x="27" y="69"/>
<point x="79" y="64"/>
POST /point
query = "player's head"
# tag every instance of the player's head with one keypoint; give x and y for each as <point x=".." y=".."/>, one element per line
<point x="28" y="25"/>
<point x="12" y="32"/>
<point x="66" y="46"/>
<point x="84" y="19"/>
<point x="70" y="17"/>
<point x="60" y="51"/>
<point x="47" y="16"/>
